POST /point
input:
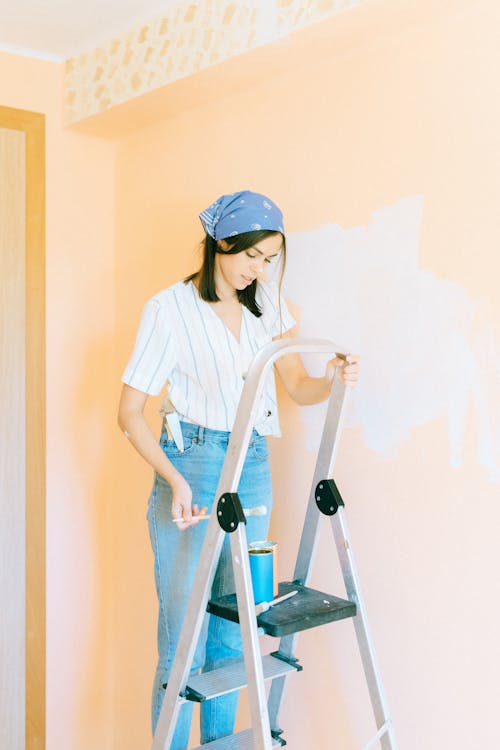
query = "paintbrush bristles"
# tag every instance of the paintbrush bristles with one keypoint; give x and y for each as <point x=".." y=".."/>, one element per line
<point x="259" y="510"/>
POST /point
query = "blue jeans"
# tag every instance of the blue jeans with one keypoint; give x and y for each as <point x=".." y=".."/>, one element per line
<point x="176" y="555"/>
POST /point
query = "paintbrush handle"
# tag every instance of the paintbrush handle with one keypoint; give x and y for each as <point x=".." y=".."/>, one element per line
<point x="264" y="606"/>
<point x="198" y="518"/>
<point x="259" y="510"/>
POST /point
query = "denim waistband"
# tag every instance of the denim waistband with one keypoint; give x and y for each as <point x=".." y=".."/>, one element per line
<point x="206" y="435"/>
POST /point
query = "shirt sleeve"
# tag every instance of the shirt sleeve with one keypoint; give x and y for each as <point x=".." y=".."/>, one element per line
<point x="154" y="356"/>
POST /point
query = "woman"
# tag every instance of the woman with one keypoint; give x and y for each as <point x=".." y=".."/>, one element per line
<point x="198" y="337"/>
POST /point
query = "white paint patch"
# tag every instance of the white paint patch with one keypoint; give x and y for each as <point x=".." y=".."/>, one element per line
<point x="428" y="349"/>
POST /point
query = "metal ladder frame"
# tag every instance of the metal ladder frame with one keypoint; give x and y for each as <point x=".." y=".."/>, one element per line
<point x="264" y="717"/>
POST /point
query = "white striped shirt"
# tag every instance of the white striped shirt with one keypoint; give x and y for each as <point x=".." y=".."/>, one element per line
<point x="183" y="344"/>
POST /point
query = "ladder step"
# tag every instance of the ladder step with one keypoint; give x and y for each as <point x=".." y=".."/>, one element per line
<point x="240" y="741"/>
<point x="307" y="609"/>
<point x="208" y="685"/>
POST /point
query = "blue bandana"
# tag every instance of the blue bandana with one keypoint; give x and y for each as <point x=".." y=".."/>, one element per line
<point x="241" y="212"/>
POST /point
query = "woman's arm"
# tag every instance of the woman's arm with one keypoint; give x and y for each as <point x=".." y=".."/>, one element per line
<point x="135" y="427"/>
<point x="305" y="389"/>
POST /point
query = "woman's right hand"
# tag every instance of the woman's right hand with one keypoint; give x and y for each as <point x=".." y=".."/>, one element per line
<point x="133" y="423"/>
<point x="182" y="509"/>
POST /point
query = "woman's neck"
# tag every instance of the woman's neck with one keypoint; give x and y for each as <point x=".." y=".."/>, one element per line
<point x="224" y="292"/>
<point x="227" y="295"/>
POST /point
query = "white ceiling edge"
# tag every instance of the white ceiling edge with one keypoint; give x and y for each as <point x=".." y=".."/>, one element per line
<point x="59" y="30"/>
<point x="34" y="53"/>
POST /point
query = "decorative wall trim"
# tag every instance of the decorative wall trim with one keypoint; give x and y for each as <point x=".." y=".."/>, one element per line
<point x="191" y="36"/>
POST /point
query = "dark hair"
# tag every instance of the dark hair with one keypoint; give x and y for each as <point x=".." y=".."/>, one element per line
<point x="237" y="244"/>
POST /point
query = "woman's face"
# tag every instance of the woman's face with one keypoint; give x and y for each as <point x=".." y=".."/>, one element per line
<point x="236" y="272"/>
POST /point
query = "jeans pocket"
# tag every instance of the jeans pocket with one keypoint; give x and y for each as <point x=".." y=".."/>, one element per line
<point x="170" y="448"/>
<point x="259" y="449"/>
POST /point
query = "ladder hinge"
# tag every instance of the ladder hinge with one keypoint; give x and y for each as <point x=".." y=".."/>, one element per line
<point x="291" y="660"/>
<point x="328" y="498"/>
<point x="229" y="511"/>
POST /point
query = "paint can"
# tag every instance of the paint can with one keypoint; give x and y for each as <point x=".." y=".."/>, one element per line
<point x="263" y="558"/>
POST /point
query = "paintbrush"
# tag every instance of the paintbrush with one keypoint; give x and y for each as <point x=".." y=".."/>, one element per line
<point x="264" y="606"/>
<point x="259" y="510"/>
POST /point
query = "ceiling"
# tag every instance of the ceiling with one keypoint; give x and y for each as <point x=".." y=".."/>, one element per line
<point x="59" y="29"/>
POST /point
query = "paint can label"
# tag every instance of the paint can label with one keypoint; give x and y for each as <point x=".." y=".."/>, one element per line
<point x="263" y="558"/>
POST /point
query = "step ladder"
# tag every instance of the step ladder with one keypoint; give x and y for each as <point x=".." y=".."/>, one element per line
<point x="308" y="608"/>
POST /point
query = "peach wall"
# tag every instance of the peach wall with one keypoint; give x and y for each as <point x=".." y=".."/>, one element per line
<point x="338" y="122"/>
<point x="79" y="338"/>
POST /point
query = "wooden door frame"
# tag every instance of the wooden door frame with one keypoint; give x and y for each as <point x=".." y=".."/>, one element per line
<point x="33" y="125"/>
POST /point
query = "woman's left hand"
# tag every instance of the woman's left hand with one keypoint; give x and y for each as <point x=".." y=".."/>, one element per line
<point x="349" y="369"/>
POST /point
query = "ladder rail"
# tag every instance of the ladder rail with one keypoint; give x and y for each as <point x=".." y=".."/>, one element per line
<point x="327" y="451"/>
<point x="190" y="633"/>
<point x="210" y="554"/>
<point x="386" y="732"/>
<point x="362" y="629"/>
<point x="250" y="640"/>
<point x="252" y="391"/>
<point x="305" y="558"/>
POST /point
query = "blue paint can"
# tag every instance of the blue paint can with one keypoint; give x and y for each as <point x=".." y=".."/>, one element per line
<point x="263" y="560"/>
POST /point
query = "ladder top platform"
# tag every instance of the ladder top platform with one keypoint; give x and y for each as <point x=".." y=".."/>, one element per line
<point x="309" y="608"/>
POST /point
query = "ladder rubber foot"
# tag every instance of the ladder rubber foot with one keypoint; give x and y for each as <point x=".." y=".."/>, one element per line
<point x="276" y="735"/>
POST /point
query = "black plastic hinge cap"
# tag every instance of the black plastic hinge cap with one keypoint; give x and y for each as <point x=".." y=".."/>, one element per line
<point x="229" y="512"/>
<point x="328" y="497"/>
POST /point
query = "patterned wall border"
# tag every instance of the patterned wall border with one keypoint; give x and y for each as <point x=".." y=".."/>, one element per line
<point x="192" y="35"/>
